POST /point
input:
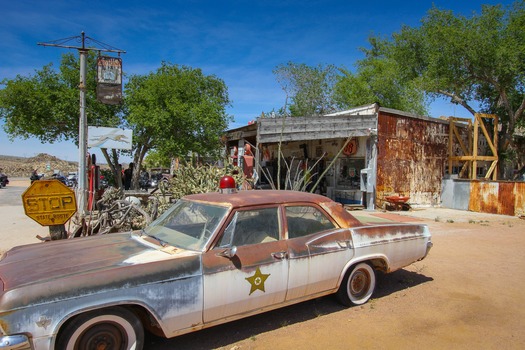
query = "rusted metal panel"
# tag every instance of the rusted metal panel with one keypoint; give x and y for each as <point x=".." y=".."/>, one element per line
<point x="519" y="195"/>
<point x="506" y="199"/>
<point x="411" y="158"/>
<point x="484" y="197"/>
<point x="314" y="128"/>
<point x="497" y="197"/>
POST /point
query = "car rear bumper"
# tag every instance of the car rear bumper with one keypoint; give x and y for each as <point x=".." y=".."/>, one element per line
<point x="15" y="342"/>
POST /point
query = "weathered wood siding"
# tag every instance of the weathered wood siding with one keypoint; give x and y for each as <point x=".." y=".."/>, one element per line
<point x="411" y="158"/>
<point x="314" y="128"/>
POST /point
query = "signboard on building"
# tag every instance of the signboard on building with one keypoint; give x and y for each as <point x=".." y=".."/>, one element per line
<point x="109" y="80"/>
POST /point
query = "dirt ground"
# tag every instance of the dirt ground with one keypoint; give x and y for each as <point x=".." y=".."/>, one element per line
<point x="467" y="294"/>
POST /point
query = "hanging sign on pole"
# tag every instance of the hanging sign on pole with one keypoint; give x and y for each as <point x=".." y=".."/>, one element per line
<point x="109" y="80"/>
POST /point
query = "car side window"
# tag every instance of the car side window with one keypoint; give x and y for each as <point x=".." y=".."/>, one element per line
<point x="305" y="220"/>
<point x="252" y="227"/>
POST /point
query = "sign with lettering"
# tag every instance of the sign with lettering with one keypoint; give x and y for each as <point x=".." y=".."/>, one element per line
<point x="109" y="80"/>
<point x="109" y="70"/>
<point x="49" y="202"/>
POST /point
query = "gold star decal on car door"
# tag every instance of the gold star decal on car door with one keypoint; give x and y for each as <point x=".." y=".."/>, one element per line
<point x="257" y="281"/>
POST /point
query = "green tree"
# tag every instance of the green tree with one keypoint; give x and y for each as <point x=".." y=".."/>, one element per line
<point x="45" y="105"/>
<point x="378" y="79"/>
<point x="308" y="89"/>
<point x="473" y="61"/>
<point x="154" y="160"/>
<point x="174" y="111"/>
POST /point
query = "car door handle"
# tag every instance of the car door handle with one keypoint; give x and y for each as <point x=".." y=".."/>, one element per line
<point x="279" y="255"/>
<point x="345" y="244"/>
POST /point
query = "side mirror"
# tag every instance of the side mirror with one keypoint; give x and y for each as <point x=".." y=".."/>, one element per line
<point x="228" y="252"/>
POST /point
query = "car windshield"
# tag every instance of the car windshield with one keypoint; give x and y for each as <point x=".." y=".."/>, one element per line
<point x="187" y="224"/>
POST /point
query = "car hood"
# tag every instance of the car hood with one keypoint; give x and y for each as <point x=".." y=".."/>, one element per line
<point x="115" y="260"/>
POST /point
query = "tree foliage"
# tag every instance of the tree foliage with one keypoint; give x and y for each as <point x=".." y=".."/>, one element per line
<point x="378" y="79"/>
<point x="308" y="89"/>
<point x="154" y="160"/>
<point x="172" y="111"/>
<point x="473" y="61"/>
<point x="46" y="105"/>
<point x="176" y="110"/>
<point x="477" y="62"/>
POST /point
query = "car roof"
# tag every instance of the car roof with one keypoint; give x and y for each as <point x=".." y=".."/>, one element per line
<point x="248" y="198"/>
<point x="258" y="197"/>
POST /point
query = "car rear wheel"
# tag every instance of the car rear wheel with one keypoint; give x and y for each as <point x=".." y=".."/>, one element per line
<point x="357" y="286"/>
<point x="115" y="328"/>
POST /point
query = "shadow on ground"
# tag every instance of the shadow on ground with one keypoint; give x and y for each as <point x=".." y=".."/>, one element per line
<point x="232" y="332"/>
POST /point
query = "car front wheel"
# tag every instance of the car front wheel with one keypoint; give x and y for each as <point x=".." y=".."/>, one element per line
<point x="357" y="286"/>
<point x="115" y="328"/>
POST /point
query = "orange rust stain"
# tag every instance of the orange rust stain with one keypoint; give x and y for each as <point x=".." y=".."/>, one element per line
<point x="506" y="199"/>
<point x="519" y="198"/>
<point x="411" y="157"/>
<point x="475" y="200"/>
<point x="497" y="197"/>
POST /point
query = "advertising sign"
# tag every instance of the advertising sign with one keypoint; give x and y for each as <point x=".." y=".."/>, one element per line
<point x="109" y="80"/>
<point x="113" y="138"/>
<point x="109" y="70"/>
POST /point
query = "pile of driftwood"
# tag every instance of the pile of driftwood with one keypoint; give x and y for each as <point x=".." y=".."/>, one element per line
<point x="116" y="212"/>
<point x="119" y="211"/>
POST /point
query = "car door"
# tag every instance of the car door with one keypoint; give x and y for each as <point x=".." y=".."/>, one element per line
<point x="255" y="275"/>
<point x="317" y="251"/>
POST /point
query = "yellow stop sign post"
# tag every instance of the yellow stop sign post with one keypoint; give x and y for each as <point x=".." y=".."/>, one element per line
<point x="50" y="203"/>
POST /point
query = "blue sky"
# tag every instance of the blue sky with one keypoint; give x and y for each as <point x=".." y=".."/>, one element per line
<point x="238" y="41"/>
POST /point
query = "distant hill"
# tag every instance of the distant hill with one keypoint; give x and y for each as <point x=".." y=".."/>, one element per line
<point x="43" y="164"/>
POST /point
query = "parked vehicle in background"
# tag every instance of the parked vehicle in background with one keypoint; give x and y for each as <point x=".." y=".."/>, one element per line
<point x="209" y="259"/>
<point x="144" y="180"/>
<point x="4" y="181"/>
<point x="35" y="176"/>
<point x="103" y="182"/>
<point x="72" y="180"/>
<point x="60" y="178"/>
<point x="159" y="175"/>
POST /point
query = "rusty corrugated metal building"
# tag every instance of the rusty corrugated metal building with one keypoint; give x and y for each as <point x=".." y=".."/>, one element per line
<point x="390" y="153"/>
<point x="411" y="156"/>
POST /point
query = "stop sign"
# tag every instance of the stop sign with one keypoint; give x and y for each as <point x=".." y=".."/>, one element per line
<point x="49" y="202"/>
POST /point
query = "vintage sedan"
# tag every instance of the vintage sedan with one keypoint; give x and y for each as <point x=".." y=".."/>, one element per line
<point x="211" y="258"/>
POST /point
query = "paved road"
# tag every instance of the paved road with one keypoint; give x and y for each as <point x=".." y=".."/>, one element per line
<point x="15" y="227"/>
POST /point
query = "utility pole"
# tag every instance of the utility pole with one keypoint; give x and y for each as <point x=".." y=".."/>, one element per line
<point x="82" y="125"/>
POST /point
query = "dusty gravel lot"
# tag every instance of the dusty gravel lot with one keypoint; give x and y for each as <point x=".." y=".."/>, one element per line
<point x="468" y="294"/>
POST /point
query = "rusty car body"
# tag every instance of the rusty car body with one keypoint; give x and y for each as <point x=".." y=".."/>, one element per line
<point x="211" y="258"/>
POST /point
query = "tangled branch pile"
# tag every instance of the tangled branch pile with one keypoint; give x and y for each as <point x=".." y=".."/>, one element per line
<point x="115" y="213"/>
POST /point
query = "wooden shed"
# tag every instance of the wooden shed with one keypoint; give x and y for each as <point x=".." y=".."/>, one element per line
<point x="366" y="153"/>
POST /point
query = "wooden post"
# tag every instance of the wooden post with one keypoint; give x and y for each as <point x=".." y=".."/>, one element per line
<point x="57" y="232"/>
